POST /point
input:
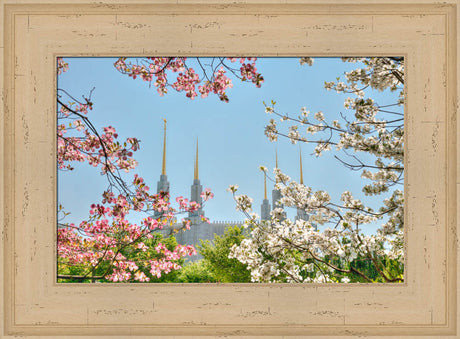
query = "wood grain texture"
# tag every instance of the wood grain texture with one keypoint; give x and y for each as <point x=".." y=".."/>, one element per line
<point x="35" y="33"/>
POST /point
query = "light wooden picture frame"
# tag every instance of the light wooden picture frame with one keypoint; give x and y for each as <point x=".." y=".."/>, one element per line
<point x="34" y="33"/>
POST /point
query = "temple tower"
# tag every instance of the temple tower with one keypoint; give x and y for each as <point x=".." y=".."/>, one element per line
<point x="301" y="213"/>
<point x="163" y="183"/>
<point x="195" y="194"/>
<point x="276" y="193"/>
<point x="265" y="207"/>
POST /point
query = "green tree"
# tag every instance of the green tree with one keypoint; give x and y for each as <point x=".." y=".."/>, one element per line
<point x="196" y="272"/>
<point x="216" y="258"/>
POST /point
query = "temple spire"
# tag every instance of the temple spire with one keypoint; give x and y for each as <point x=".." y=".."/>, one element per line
<point x="265" y="186"/>
<point x="163" y="184"/>
<point x="301" y="171"/>
<point x="195" y="194"/>
<point x="276" y="193"/>
<point x="301" y="213"/>
<point x="163" y="168"/>
<point x="195" y="176"/>
<point x="265" y="207"/>
<point x="276" y="165"/>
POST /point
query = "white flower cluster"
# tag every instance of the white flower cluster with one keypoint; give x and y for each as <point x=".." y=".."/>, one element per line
<point x="232" y="188"/>
<point x="288" y="251"/>
<point x="269" y="110"/>
<point x="243" y="203"/>
<point x="294" y="134"/>
<point x="270" y="131"/>
<point x="294" y="251"/>
<point x="319" y="116"/>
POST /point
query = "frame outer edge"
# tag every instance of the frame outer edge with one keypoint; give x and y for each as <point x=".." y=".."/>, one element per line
<point x="453" y="93"/>
<point x="4" y="41"/>
<point x="6" y="139"/>
<point x="2" y="166"/>
<point x="6" y="161"/>
<point x="455" y="318"/>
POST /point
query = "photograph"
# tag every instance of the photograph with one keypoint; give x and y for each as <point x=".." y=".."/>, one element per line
<point x="230" y="170"/>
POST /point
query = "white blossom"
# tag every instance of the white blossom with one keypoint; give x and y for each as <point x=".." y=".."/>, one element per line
<point x="232" y="188"/>
<point x="271" y="132"/>
<point x="243" y="203"/>
<point x="319" y="116"/>
<point x="263" y="168"/>
<point x="283" y="250"/>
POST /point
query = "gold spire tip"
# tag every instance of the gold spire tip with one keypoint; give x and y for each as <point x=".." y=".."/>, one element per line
<point x="276" y="160"/>
<point x="265" y="186"/>
<point x="163" y="167"/>
<point x="195" y="176"/>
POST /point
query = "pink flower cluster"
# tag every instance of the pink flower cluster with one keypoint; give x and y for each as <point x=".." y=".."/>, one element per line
<point x="207" y="194"/>
<point x="187" y="82"/>
<point x="84" y="145"/>
<point x="62" y="66"/>
<point x="249" y="72"/>
<point x="156" y="70"/>
<point x="217" y="85"/>
<point x="153" y="68"/>
<point x="99" y="240"/>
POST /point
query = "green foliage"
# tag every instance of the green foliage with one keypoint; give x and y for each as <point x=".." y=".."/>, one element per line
<point x="216" y="258"/>
<point x="64" y="269"/>
<point x="195" y="272"/>
<point x="367" y="266"/>
<point x="72" y="270"/>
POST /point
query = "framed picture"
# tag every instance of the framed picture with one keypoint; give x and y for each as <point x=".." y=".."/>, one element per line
<point x="36" y="34"/>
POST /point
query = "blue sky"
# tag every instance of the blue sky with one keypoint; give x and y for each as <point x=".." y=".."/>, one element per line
<point x="232" y="144"/>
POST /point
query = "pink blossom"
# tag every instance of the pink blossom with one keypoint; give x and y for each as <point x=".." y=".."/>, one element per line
<point x="207" y="194"/>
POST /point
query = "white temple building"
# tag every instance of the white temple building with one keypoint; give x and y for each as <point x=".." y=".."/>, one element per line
<point x="200" y="230"/>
